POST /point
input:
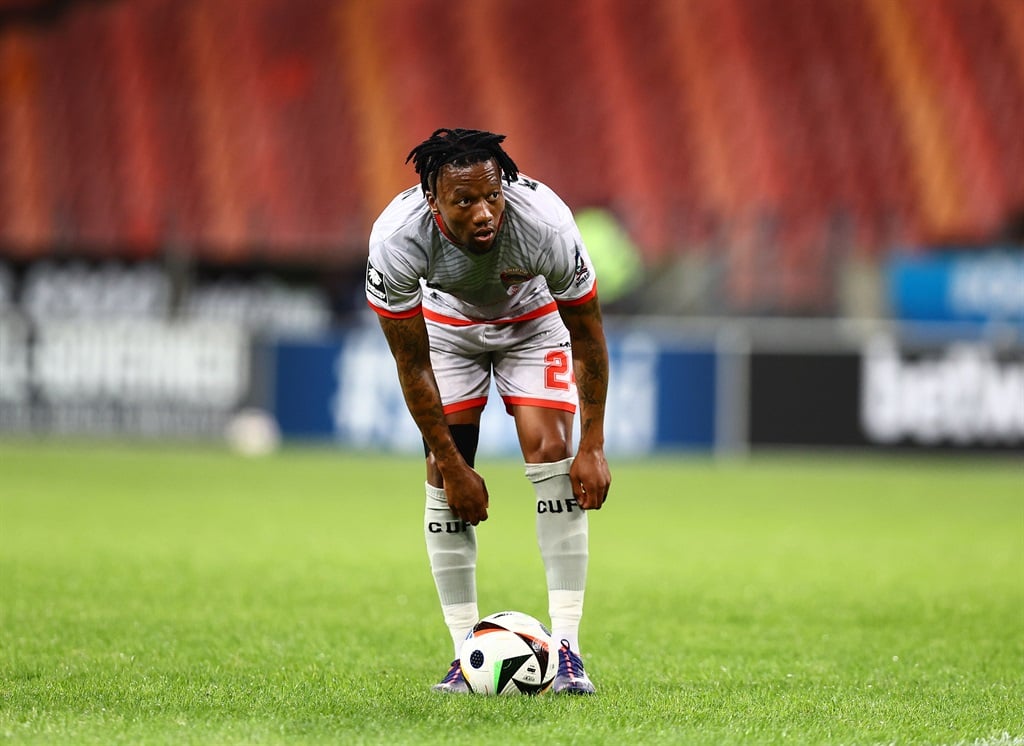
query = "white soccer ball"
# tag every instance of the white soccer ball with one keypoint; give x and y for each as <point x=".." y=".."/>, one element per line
<point x="253" y="432"/>
<point x="509" y="653"/>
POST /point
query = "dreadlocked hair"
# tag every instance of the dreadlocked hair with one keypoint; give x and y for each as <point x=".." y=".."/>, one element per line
<point x="459" y="147"/>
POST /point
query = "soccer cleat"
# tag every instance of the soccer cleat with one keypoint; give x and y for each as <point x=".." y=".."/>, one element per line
<point x="453" y="682"/>
<point x="571" y="678"/>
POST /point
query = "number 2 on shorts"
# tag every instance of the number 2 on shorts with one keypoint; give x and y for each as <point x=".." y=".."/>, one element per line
<point x="557" y="374"/>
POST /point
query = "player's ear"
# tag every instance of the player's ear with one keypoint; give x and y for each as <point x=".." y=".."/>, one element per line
<point x="431" y="201"/>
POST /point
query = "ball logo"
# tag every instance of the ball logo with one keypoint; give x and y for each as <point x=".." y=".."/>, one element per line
<point x="508" y="653"/>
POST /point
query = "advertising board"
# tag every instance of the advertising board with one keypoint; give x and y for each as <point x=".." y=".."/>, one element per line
<point x="661" y="396"/>
<point x="963" y="396"/>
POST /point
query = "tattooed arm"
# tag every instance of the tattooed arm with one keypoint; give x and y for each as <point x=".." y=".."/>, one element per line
<point x="466" y="491"/>
<point x="589" y="473"/>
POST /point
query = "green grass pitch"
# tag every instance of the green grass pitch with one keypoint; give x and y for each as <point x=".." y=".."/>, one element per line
<point x="180" y="595"/>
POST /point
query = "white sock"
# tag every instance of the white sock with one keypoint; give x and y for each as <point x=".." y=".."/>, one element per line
<point x="460" y="619"/>
<point x="562" y="536"/>
<point x="566" y="609"/>
<point x="451" y="546"/>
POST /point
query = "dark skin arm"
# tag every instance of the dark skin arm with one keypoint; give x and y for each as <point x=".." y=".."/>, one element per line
<point x="589" y="473"/>
<point x="464" y="487"/>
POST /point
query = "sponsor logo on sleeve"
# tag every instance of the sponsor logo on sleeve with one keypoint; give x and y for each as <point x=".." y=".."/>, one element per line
<point x="375" y="285"/>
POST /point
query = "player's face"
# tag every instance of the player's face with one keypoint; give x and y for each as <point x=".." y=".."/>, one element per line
<point x="470" y="202"/>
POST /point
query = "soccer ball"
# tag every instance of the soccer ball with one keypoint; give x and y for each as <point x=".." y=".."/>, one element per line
<point x="509" y="653"/>
<point x="253" y="432"/>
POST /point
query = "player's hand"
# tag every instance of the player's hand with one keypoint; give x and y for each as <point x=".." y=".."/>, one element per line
<point x="590" y="478"/>
<point x="467" y="494"/>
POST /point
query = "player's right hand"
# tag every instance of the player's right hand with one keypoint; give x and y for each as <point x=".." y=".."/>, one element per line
<point x="467" y="495"/>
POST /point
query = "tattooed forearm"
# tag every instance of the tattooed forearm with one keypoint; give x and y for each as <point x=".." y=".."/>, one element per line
<point x="410" y="347"/>
<point x="590" y="365"/>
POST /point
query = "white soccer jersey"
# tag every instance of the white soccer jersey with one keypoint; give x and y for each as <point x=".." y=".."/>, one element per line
<point x="537" y="258"/>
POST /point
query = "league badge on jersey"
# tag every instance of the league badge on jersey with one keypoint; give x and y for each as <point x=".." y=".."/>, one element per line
<point x="512" y="278"/>
<point x="375" y="284"/>
<point x="582" y="270"/>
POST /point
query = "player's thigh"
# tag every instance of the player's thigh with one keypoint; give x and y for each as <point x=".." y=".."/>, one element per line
<point x="533" y="374"/>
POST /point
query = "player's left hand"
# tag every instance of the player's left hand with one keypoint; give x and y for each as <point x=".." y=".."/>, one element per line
<point x="590" y="478"/>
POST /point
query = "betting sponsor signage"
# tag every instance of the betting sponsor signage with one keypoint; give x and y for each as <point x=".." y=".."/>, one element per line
<point x="957" y="396"/>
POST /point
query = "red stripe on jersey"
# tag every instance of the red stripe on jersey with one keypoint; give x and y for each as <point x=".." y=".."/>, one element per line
<point x="392" y="314"/>
<point x="452" y="321"/>
<point x="580" y="301"/>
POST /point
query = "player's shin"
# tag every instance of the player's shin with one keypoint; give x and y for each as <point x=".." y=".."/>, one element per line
<point x="562" y="537"/>
<point x="451" y="546"/>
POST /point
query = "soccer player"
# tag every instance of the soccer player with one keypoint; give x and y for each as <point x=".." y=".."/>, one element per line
<point x="475" y="272"/>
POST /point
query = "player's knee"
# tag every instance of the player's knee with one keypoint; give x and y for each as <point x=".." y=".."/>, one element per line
<point x="546" y="449"/>
<point x="466" y="437"/>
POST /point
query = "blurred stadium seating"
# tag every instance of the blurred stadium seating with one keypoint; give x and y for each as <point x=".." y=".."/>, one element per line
<point x="779" y="138"/>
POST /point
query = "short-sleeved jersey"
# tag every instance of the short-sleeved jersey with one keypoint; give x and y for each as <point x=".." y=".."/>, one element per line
<point x="537" y="259"/>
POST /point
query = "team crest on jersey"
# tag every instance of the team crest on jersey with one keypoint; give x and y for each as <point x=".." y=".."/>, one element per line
<point x="375" y="284"/>
<point x="512" y="278"/>
<point x="582" y="270"/>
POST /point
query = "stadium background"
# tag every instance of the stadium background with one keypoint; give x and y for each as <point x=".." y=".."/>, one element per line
<point x="807" y="216"/>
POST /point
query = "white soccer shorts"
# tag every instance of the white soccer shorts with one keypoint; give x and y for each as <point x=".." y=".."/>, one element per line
<point x="531" y="362"/>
